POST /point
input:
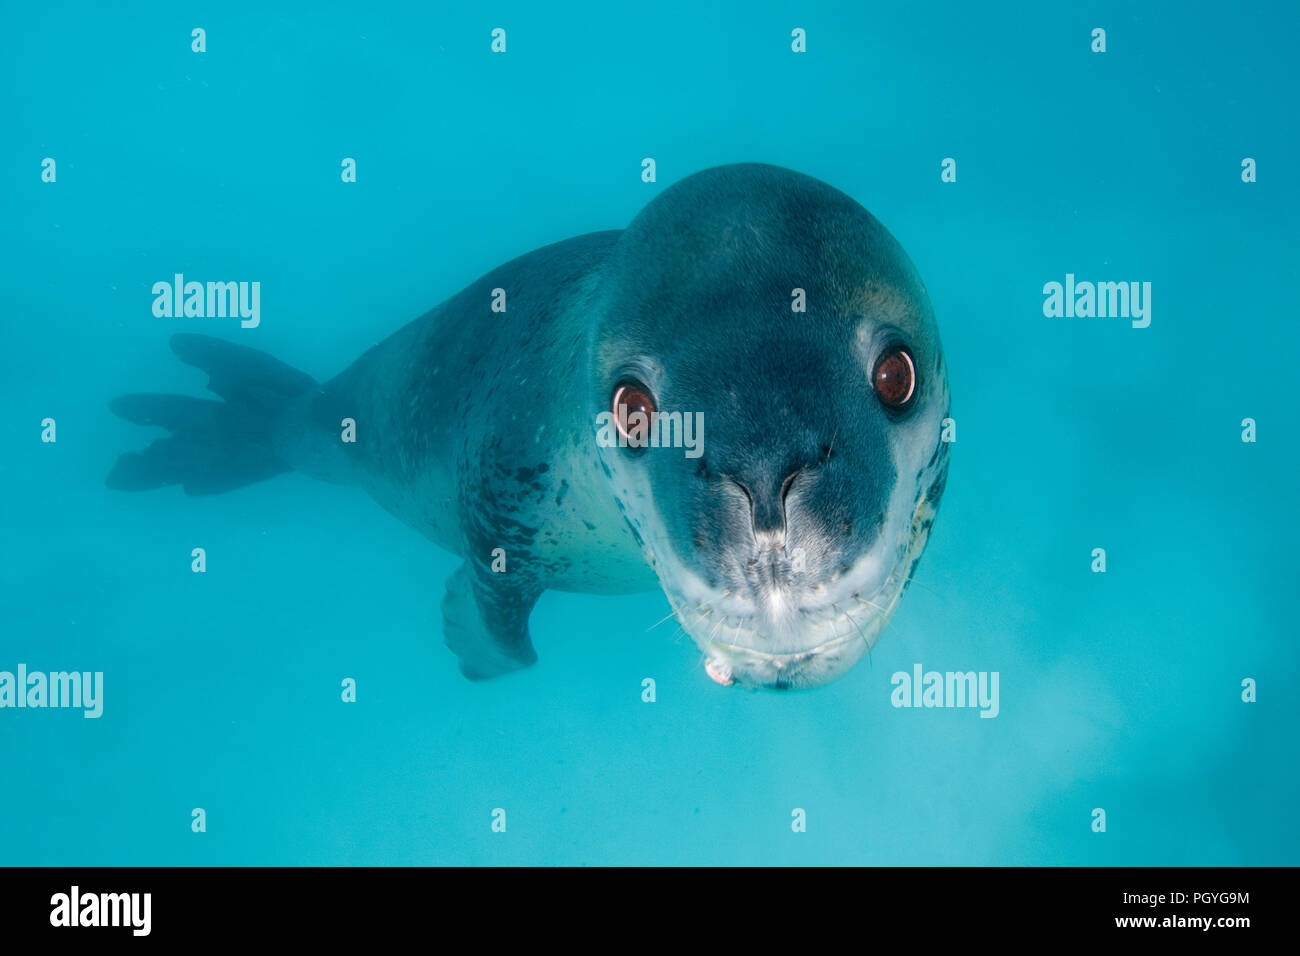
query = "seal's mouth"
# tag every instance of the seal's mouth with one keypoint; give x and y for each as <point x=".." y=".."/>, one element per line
<point x="730" y="664"/>
<point x="786" y="646"/>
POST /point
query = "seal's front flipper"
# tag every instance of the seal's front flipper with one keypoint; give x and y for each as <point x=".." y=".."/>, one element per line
<point x="485" y="622"/>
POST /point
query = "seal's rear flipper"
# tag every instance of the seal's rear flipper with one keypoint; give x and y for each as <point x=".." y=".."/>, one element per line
<point x="214" y="446"/>
<point x="485" y="622"/>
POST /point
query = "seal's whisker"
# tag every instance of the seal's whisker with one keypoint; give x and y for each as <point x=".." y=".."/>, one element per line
<point x="920" y="584"/>
<point x="670" y="614"/>
<point x="859" y="630"/>
<point x="830" y="449"/>
<point x="871" y="603"/>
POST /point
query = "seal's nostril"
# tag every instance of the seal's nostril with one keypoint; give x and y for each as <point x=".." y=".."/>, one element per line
<point x="767" y="502"/>
<point x="788" y="484"/>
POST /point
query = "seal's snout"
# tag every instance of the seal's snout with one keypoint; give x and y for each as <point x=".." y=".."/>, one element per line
<point x="772" y="569"/>
<point x="770" y="572"/>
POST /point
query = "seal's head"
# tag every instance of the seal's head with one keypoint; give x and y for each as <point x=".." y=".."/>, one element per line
<point x="769" y="390"/>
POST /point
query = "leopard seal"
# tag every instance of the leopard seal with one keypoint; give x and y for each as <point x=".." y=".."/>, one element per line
<point x="766" y="305"/>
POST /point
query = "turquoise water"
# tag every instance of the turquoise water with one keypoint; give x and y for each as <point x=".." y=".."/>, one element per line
<point x="1119" y="690"/>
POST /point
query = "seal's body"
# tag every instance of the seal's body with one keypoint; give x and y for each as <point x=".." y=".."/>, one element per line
<point x="783" y="541"/>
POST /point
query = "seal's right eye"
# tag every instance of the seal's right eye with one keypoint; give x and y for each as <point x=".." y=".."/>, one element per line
<point x="632" y="406"/>
<point x="894" y="378"/>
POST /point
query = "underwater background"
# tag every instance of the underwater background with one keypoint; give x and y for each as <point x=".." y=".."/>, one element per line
<point x="1120" y="690"/>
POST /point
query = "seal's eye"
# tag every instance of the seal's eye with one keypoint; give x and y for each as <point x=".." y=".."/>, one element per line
<point x="895" y="378"/>
<point x="632" y="406"/>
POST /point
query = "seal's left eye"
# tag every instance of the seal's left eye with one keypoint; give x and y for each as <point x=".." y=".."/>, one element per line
<point x="629" y="398"/>
<point x="894" y="378"/>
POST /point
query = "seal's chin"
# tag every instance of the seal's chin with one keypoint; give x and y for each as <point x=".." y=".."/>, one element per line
<point x="779" y="642"/>
<point x="735" y="664"/>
